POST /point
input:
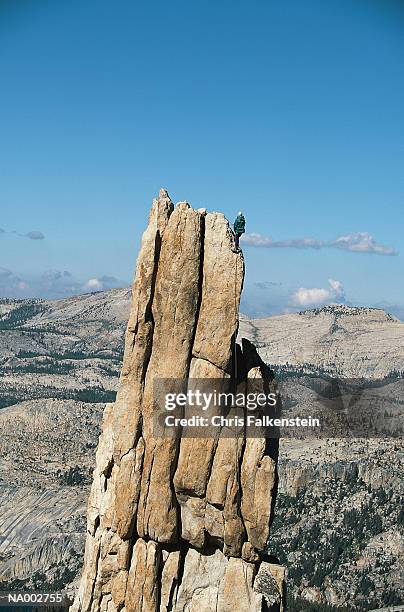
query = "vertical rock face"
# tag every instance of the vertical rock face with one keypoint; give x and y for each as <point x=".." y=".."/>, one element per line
<point x="180" y="523"/>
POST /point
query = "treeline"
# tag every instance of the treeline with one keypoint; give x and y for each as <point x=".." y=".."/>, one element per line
<point x="21" y="314"/>
<point x="91" y="395"/>
<point x="307" y="369"/>
<point x="289" y="371"/>
<point x="396" y="374"/>
<point x="73" y="355"/>
<point x="296" y="604"/>
<point x="46" y="366"/>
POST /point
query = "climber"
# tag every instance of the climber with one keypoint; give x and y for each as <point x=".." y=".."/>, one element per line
<point x="239" y="229"/>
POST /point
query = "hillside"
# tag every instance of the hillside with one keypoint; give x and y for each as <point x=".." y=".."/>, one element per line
<point x="73" y="347"/>
<point x="62" y="349"/>
<point x="341" y="340"/>
<point x="46" y="458"/>
<point x="59" y="361"/>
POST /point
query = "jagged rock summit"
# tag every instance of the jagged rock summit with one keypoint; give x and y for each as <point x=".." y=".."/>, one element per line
<point x="181" y="523"/>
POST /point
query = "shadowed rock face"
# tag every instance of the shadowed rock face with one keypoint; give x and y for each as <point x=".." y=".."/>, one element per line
<point x="180" y="523"/>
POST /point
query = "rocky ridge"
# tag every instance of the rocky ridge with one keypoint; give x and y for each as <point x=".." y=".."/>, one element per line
<point x="342" y="341"/>
<point x="72" y="348"/>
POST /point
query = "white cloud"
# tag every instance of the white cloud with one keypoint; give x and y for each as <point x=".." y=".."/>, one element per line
<point x="304" y="297"/>
<point x="32" y="235"/>
<point x="35" y="235"/>
<point x="265" y="298"/>
<point x="93" y="284"/>
<point x="362" y="242"/>
<point x="258" y="240"/>
<point x="336" y="286"/>
<point x="309" y="297"/>
<point x="358" y="242"/>
<point x="102" y="283"/>
<point x="52" y="284"/>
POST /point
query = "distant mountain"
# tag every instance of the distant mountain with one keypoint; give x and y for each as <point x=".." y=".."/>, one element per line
<point x="340" y="340"/>
<point x="72" y="348"/>
<point x="68" y="349"/>
<point x="92" y="322"/>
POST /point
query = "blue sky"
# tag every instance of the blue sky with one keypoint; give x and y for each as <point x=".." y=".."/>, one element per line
<point x="291" y="111"/>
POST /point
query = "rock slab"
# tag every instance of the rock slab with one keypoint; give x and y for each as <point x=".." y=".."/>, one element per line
<point x="180" y="523"/>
